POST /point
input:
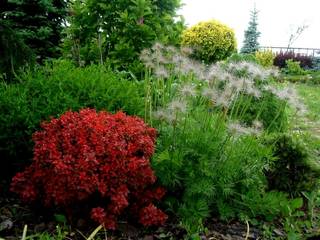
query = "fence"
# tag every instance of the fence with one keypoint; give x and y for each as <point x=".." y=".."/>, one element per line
<point x="315" y="52"/>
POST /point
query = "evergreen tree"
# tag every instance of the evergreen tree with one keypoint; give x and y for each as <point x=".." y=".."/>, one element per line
<point x="251" y="35"/>
<point x="29" y="29"/>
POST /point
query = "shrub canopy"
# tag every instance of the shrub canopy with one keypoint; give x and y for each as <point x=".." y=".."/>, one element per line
<point x="212" y="41"/>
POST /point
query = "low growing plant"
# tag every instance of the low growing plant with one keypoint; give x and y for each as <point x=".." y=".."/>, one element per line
<point x="97" y="158"/>
<point x="296" y="169"/>
<point x="293" y="67"/>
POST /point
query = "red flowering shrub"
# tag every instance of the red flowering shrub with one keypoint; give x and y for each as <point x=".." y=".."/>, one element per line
<point x="81" y="154"/>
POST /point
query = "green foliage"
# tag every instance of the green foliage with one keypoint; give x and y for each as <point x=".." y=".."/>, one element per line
<point x="14" y="52"/>
<point x="296" y="169"/>
<point x="209" y="152"/>
<point x="117" y="31"/>
<point x="293" y="67"/>
<point x="29" y="30"/>
<point x="309" y="77"/>
<point x="212" y="41"/>
<point x="311" y="96"/>
<point x="265" y="58"/>
<point x="60" y="233"/>
<point x="274" y="206"/>
<point x="50" y="91"/>
<point x="251" y="35"/>
<point x="268" y="109"/>
<point x="205" y="168"/>
<point x="239" y="57"/>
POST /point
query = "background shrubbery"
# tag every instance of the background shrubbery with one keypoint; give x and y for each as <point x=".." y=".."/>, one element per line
<point x="282" y="57"/>
<point x="265" y="58"/>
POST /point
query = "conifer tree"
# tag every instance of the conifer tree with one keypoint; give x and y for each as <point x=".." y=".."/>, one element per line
<point x="251" y="35"/>
<point x="29" y="29"/>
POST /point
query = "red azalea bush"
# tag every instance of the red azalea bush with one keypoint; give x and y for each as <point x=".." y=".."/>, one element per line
<point x="82" y="154"/>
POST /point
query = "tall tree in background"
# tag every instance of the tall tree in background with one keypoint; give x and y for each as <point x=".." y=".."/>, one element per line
<point x="29" y="29"/>
<point x="251" y="35"/>
<point x="117" y="31"/>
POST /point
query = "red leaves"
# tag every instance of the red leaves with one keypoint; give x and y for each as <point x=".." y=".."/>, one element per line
<point x="150" y="215"/>
<point x="82" y="153"/>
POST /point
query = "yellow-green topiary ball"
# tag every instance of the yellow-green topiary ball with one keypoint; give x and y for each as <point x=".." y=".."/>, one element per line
<point x="265" y="58"/>
<point x="212" y="41"/>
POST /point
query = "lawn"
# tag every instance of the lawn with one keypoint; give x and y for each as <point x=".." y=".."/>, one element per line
<point x="311" y="96"/>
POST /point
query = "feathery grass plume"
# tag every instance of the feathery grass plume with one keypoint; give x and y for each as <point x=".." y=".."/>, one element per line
<point x="146" y="58"/>
<point x="160" y="115"/>
<point x="225" y="98"/>
<point x="251" y="69"/>
<point x="165" y="115"/>
<point x="273" y="71"/>
<point x="178" y="59"/>
<point x="226" y="77"/>
<point x="188" y="90"/>
<point x="145" y="55"/>
<point x="161" y="72"/>
<point x="187" y="51"/>
<point x="290" y="95"/>
<point x="177" y="106"/>
<point x="210" y="93"/>
<point x="214" y="73"/>
<point x="236" y="85"/>
<point x="157" y="47"/>
<point x="237" y="129"/>
<point x="171" y="49"/>
<point x="254" y="92"/>
<point x="256" y="124"/>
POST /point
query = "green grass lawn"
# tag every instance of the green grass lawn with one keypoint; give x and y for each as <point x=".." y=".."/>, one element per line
<point x="311" y="122"/>
<point x="311" y="97"/>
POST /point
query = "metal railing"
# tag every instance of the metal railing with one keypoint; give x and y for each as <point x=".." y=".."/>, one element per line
<point x="305" y="51"/>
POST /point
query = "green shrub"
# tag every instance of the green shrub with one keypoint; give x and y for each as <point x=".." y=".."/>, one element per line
<point x="295" y="168"/>
<point x="212" y="41"/>
<point x="117" y="31"/>
<point x="240" y="57"/>
<point x="50" y="91"/>
<point x="265" y="58"/>
<point x="293" y="67"/>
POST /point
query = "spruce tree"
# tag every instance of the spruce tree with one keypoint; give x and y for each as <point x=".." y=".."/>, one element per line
<point x="251" y="35"/>
<point x="29" y="29"/>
